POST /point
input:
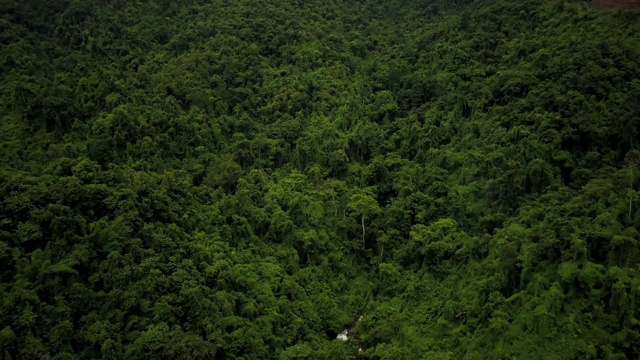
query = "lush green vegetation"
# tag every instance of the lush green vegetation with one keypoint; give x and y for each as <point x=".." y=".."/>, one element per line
<point x="244" y="179"/>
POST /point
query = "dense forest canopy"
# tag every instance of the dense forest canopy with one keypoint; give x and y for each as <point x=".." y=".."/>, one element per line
<point x="214" y="179"/>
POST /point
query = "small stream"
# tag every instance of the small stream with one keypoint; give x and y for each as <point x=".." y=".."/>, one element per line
<point x="344" y="335"/>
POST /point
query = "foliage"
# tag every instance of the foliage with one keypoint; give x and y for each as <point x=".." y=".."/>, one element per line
<point x="244" y="180"/>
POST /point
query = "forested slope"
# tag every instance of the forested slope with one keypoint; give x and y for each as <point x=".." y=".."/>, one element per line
<point x="244" y="179"/>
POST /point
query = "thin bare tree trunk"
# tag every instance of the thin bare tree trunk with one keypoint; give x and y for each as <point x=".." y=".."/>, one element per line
<point x="631" y="194"/>
<point x="362" y="230"/>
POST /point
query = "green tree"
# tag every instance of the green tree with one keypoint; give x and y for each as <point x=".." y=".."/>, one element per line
<point x="363" y="204"/>
<point x="632" y="159"/>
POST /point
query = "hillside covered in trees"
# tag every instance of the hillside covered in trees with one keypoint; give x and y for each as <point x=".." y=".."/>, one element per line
<point x="213" y="179"/>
